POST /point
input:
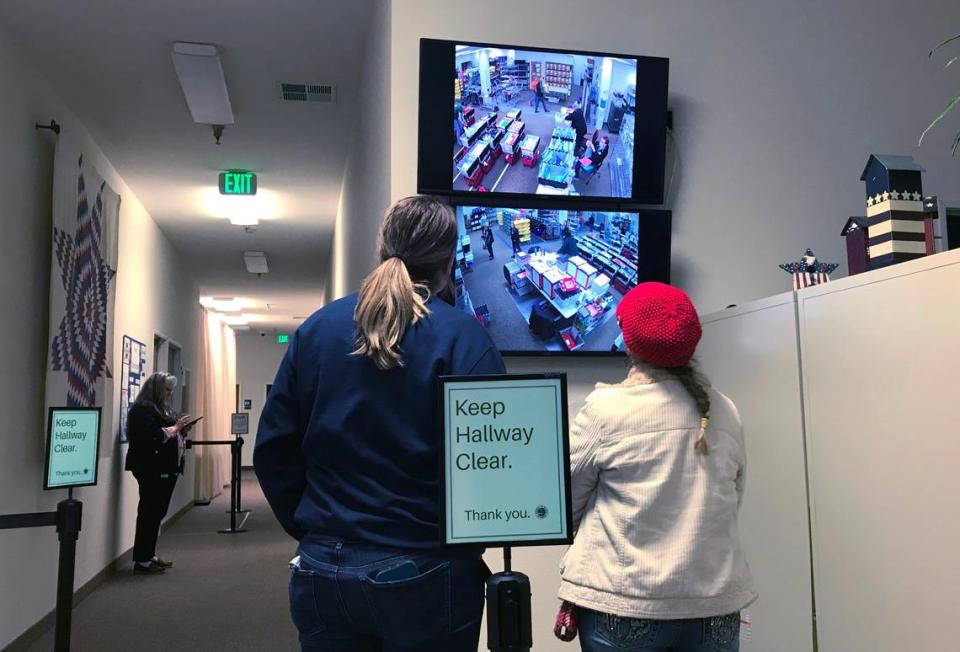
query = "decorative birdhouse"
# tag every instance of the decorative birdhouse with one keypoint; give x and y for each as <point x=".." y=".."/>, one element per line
<point x="858" y="257"/>
<point x="809" y="270"/>
<point x="898" y="229"/>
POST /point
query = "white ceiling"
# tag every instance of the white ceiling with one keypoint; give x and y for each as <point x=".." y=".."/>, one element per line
<point x="110" y="62"/>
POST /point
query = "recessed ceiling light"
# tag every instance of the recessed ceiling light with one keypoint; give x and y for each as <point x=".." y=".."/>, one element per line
<point x="223" y="304"/>
<point x="236" y="320"/>
<point x="256" y="262"/>
<point x="204" y="86"/>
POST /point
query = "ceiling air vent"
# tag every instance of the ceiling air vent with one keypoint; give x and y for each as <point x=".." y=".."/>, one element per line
<point x="308" y="92"/>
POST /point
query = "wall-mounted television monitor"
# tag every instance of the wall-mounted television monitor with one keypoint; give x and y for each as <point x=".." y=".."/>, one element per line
<point x="517" y="121"/>
<point x="548" y="281"/>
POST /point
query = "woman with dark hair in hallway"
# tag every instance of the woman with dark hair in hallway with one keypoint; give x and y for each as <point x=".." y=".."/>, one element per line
<point x="657" y="476"/>
<point x="348" y="446"/>
<point x="155" y="456"/>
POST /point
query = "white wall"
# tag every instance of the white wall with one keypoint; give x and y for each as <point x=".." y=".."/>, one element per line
<point x="258" y="359"/>
<point x="154" y="293"/>
<point x="365" y="193"/>
<point x="777" y="106"/>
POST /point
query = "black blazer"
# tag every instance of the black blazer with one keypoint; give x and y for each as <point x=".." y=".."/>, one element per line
<point x="148" y="453"/>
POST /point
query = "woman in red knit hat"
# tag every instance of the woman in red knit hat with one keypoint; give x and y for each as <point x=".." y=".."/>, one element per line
<point x="657" y="466"/>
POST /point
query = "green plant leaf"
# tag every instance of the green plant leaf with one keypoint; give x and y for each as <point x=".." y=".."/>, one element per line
<point x="941" y="44"/>
<point x="950" y="105"/>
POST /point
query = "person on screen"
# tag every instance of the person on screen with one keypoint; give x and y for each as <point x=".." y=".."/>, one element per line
<point x="347" y="450"/>
<point x="488" y="240"/>
<point x="657" y="478"/>
<point x="579" y="124"/>
<point x="568" y="246"/>
<point x="155" y="457"/>
<point x="593" y="156"/>
<point x="459" y="125"/>
<point x="515" y="240"/>
<point x="538" y="96"/>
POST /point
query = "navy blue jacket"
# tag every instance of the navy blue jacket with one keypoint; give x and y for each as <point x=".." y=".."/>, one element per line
<point x="349" y="451"/>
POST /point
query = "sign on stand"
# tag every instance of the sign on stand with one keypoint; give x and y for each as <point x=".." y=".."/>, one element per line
<point x="73" y="444"/>
<point x="506" y="457"/>
<point x="239" y="423"/>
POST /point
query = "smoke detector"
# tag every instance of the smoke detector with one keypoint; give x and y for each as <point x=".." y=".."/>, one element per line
<point x="307" y="92"/>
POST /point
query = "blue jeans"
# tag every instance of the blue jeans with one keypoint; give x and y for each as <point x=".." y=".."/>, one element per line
<point x="537" y="102"/>
<point x="338" y="605"/>
<point x="600" y="631"/>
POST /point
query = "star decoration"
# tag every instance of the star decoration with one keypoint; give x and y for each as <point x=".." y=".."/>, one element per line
<point x="916" y="196"/>
<point x="870" y="201"/>
<point x="885" y="195"/>
<point x="894" y="194"/>
<point x="80" y="347"/>
<point x="809" y="263"/>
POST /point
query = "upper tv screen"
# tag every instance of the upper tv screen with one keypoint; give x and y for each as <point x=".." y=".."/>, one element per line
<point x="541" y="123"/>
<point x="548" y="281"/>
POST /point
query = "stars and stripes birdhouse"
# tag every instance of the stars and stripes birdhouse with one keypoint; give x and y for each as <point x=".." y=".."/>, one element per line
<point x="808" y="270"/>
<point x="858" y="256"/>
<point x="898" y="228"/>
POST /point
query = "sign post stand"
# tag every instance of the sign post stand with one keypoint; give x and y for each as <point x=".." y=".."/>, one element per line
<point x="506" y="482"/>
<point x="69" y="517"/>
<point x="509" y="624"/>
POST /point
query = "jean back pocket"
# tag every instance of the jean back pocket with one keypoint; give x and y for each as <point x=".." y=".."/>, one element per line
<point x="412" y="610"/>
<point x="303" y="604"/>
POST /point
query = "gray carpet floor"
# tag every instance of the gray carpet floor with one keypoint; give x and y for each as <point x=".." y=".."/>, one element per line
<point x="225" y="592"/>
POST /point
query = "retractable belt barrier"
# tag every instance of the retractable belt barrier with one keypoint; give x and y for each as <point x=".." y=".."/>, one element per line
<point x="67" y="520"/>
<point x="236" y="446"/>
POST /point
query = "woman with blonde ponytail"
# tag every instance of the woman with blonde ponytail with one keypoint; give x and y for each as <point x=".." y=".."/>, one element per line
<point x="657" y="468"/>
<point x="347" y="451"/>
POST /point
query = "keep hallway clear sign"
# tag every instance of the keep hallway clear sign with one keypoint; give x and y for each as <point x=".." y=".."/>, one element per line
<point x="73" y="442"/>
<point x="506" y="460"/>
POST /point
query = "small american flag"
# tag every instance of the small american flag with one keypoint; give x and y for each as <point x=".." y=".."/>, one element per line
<point x="808" y="271"/>
<point x="806" y="279"/>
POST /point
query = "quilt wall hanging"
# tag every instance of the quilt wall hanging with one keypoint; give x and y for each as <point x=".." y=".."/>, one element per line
<point x="83" y="281"/>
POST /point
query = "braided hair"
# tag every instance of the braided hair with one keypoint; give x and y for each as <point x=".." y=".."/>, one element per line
<point x="696" y="384"/>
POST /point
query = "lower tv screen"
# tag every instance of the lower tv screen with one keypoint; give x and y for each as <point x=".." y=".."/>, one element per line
<point x="549" y="281"/>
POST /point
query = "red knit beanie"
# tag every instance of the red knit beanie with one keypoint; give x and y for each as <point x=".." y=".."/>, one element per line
<point x="660" y="325"/>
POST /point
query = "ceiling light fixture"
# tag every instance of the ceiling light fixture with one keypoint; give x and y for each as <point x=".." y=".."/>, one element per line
<point x="223" y="304"/>
<point x="256" y="262"/>
<point x="204" y="87"/>
<point x="236" y="320"/>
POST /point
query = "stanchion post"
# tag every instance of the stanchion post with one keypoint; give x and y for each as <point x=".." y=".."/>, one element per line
<point x="234" y="489"/>
<point x="239" y="478"/>
<point x="239" y="469"/>
<point x="69" y="518"/>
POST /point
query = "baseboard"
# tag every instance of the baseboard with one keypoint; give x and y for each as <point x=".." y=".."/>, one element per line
<point x="122" y="562"/>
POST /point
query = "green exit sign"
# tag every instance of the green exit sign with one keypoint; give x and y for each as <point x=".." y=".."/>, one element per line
<point x="283" y="339"/>
<point x="238" y="183"/>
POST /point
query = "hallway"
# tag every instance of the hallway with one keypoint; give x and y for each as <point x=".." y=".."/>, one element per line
<point x="225" y="592"/>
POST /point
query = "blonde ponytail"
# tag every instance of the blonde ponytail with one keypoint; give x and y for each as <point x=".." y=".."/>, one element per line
<point x="417" y="239"/>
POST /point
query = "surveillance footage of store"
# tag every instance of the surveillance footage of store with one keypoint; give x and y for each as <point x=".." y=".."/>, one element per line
<point x="545" y="280"/>
<point x="541" y="123"/>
